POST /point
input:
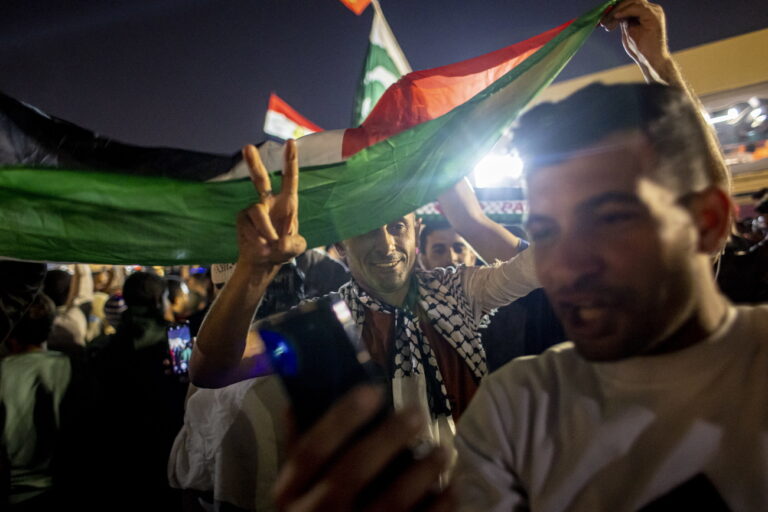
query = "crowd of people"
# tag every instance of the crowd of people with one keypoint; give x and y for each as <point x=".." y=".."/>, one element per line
<point x="630" y="252"/>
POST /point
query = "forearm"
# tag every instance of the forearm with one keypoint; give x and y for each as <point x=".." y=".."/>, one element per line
<point x="492" y="241"/>
<point x="488" y="238"/>
<point x="494" y="286"/>
<point x="667" y="71"/>
<point x="221" y="342"/>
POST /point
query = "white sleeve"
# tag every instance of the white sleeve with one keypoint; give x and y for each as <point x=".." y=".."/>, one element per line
<point x="493" y="286"/>
<point x="483" y="476"/>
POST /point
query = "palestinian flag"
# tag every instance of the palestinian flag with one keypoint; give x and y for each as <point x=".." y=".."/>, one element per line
<point x="385" y="63"/>
<point x="426" y="132"/>
<point x="283" y="122"/>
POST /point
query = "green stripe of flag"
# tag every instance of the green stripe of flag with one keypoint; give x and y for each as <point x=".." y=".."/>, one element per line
<point x="378" y="74"/>
<point x="71" y="215"/>
<point x="384" y="64"/>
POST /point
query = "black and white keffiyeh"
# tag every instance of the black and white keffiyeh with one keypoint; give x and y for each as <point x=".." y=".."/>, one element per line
<point x="442" y="299"/>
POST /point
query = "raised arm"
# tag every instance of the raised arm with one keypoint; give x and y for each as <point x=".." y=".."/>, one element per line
<point x="644" y="36"/>
<point x="268" y="236"/>
<point x="490" y="239"/>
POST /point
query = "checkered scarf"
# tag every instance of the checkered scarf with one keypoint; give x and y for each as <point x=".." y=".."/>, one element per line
<point x="442" y="300"/>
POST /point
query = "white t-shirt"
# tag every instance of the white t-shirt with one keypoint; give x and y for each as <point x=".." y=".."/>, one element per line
<point x="556" y="432"/>
<point x="232" y="443"/>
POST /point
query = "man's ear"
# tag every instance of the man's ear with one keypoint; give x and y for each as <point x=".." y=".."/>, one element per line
<point x="712" y="211"/>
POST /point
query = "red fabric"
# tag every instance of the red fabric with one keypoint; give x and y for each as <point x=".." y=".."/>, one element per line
<point x="356" y="6"/>
<point x="424" y="95"/>
<point x="278" y="105"/>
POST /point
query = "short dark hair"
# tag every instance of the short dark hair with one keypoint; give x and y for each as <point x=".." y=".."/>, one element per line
<point x="34" y="327"/>
<point x="144" y="290"/>
<point x="551" y="132"/>
<point x="56" y="286"/>
<point x="429" y="228"/>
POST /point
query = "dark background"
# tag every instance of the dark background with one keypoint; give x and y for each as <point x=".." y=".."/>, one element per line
<point x="197" y="74"/>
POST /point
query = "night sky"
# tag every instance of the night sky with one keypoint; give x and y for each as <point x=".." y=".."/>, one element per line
<point x="197" y="74"/>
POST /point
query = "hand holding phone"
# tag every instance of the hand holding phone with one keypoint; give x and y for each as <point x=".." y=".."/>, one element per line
<point x="345" y="461"/>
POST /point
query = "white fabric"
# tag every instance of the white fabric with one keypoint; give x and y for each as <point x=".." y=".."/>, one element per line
<point x="231" y="443"/>
<point x="70" y="324"/>
<point x="556" y="432"/>
<point x="497" y="285"/>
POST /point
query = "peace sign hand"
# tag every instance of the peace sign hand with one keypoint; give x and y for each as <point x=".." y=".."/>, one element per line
<point x="268" y="231"/>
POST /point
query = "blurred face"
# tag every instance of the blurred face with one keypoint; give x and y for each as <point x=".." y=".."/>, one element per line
<point x="444" y="248"/>
<point x="382" y="260"/>
<point x="614" y="250"/>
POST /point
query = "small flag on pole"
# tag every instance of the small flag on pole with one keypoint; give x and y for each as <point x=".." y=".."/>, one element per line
<point x="356" y="6"/>
<point x="284" y="122"/>
<point x="385" y="63"/>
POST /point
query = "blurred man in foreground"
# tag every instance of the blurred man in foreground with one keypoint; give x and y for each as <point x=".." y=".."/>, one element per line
<point x="659" y="402"/>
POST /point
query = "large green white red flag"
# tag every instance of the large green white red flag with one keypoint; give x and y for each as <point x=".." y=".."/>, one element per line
<point x="385" y="63"/>
<point x="426" y="132"/>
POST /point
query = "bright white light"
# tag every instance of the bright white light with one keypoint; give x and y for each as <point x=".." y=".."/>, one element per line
<point x="730" y="116"/>
<point x="758" y="121"/>
<point x="756" y="113"/>
<point x="496" y="169"/>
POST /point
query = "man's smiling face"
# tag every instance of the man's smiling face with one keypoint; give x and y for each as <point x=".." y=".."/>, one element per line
<point x="382" y="260"/>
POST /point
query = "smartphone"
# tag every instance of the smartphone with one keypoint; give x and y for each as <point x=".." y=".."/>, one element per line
<point x="316" y="351"/>
<point x="180" y="347"/>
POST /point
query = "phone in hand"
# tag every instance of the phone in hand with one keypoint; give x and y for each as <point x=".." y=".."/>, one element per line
<point x="316" y="351"/>
<point x="180" y="347"/>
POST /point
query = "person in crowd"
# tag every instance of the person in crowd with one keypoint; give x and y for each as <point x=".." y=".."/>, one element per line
<point x="441" y="246"/>
<point x="178" y="296"/>
<point x="113" y="312"/>
<point x="107" y="281"/>
<point x="420" y="326"/>
<point x="673" y="413"/>
<point x="142" y="404"/>
<point x="41" y="404"/>
<point x="69" y="292"/>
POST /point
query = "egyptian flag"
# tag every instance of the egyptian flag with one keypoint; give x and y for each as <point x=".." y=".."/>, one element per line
<point x="283" y="122"/>
<point x="427" y="132"/>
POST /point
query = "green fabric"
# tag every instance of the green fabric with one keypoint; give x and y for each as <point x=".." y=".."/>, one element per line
<point x="70" y="215"/>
